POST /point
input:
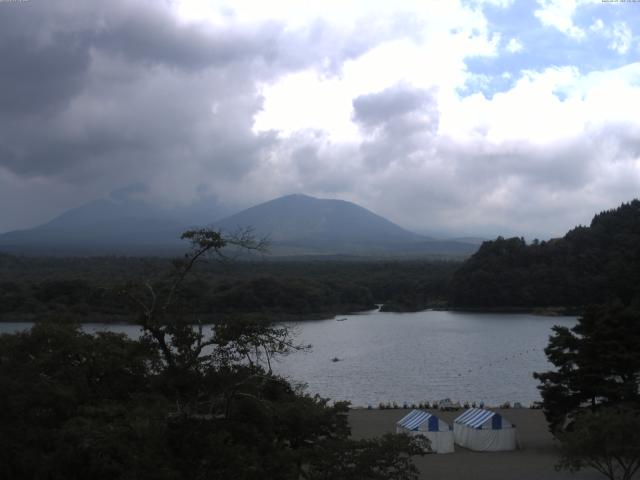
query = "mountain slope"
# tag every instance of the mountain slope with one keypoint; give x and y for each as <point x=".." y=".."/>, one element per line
<point x="299" y="224"/>
<point x="121" y="225"/>
<point x="294" y="224"/>
<point x="588" y="265"/>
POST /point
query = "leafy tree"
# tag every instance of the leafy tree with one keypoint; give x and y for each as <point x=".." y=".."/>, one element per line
<point x="374" y="459"/>
<point x="607" y="440"/>
<point x="597" y="364"/>
<point x="179" y="403"/>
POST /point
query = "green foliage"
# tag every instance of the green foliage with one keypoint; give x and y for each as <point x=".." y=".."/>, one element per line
<point x="589" y="265"/>
<point x="375" y="459"/>
<point x="180" y="403"/>
<point x="68" y="397"/>
<point x="91" y="288"/>
<point x="77" y="406"/>
<point x="607" y="439"/>
<point x="597" y="364"/>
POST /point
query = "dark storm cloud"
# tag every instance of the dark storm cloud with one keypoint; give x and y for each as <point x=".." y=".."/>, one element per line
<point x="115" y="92"/>
<point x="150" y="35"/>
<point x="95" y="95"/>
<point x="37" y="75"/>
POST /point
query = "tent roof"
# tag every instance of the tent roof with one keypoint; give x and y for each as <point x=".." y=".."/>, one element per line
<point x="414" y="419"/>
<point x="475" y="417"/>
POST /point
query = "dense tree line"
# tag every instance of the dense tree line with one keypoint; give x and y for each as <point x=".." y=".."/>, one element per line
<point x="588" y="265"/>
<point x="92" y="287"/>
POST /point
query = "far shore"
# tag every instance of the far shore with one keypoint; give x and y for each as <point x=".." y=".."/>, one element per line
<point x="117" y="319"/>
<point x="534" y="460"/>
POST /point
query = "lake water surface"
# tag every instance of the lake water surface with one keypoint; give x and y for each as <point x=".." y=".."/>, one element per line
<point x="413" y="357"/>
<point x="430" y="355"/>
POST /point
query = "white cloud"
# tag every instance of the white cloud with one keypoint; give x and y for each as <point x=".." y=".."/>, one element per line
<point x="514" y="46"/>
<point x="597" y="25"/>
<point x="559" y="14"/>
<point x="621" y="37"/>
<point x="426" y="52"/>
<point x="556" y="138"/>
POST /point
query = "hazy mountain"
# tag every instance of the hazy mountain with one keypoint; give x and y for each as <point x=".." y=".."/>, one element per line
<point x="125" y="224"/>
<point x="472" y="240"/>
<point x="300" y="224"/>
<point x="120" y="224"/>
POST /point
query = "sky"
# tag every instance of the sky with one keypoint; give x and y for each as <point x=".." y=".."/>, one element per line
<point x="476" y="117"/>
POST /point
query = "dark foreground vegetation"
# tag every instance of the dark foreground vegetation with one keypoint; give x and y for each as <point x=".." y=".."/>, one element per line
<point x="77" y="406"/>
<point x="592" y="397"/>
<point x="180" y="403"/>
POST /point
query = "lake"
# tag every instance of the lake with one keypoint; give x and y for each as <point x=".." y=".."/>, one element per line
<point x="414" y="357"/>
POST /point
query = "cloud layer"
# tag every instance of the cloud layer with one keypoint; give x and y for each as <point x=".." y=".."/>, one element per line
<point x="452" y="118"/>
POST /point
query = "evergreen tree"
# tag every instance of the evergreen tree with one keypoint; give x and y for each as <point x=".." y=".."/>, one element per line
<point x="597" y="364"/>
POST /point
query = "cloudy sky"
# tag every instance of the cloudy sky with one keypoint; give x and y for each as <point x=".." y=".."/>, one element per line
<point x="455" y="117"/>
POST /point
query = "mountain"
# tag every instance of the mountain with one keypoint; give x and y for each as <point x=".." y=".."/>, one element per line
<point x="591" y="264"/>
<point x="304" y="225"/>
<point x="124" y="224"/>
<point x="121" y="224"/>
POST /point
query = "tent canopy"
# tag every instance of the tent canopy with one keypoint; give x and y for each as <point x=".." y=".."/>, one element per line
<point x="421" y="420"/>
<point x="479" y="418"/>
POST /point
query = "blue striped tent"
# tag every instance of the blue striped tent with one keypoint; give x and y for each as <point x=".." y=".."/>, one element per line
<point x="419" y="422"/>
<point x="484" y="430"/>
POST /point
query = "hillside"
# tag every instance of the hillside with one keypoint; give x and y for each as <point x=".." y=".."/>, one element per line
<point x="296" y="225"/>
<point x="299" y="224"/>
<point x="116" y="225"/>
<point x="588" y="265"/>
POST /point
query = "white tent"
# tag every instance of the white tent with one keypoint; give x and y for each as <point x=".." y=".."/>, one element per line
<point x="419" y="422"/>
<point x="484" y="430"/>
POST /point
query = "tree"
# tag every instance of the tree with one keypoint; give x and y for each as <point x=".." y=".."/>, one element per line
<point x="178" y="403"/>
<point x="74" y="405"/>
<point x="227" y="379"/>
<point x="374" y="459"/>
<point x="607" y="439"/>
<point x="597" y="364"/>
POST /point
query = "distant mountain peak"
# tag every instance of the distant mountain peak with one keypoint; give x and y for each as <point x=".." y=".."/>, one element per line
<point x="126" y="223"/>
<point x="299" y="223"/>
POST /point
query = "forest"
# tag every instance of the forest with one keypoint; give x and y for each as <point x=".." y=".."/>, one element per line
<point x="590" y="264"/>
<point x="92" y="288"/>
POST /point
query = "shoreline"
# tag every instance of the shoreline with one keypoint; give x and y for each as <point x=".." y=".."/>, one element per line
<point x="99" y="318"/>
<point x="534" y="460"/>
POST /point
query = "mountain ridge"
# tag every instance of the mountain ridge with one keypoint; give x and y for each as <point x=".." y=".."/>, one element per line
<point x="295" y="224"/>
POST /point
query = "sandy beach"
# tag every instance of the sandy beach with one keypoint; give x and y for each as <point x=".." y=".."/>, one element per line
<point x="535" y="460"/>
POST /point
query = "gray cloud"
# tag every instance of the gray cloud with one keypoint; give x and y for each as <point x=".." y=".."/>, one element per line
<point x="98" y="95"/>
<point x="399" y="122"/>
<point x="110" y="93"/>
<point x="118" y="92"/>
<point x="406" y="171"/>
